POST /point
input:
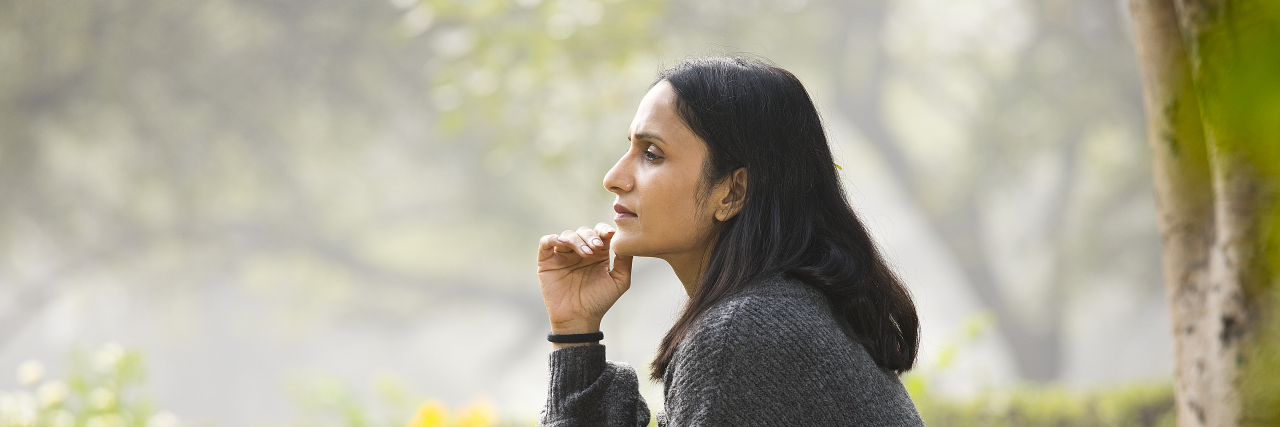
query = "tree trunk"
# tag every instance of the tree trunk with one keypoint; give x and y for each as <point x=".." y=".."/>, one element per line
<point x="1211" y="83"/>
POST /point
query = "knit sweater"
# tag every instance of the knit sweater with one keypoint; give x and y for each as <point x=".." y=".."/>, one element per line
<point x="770" y="355"/>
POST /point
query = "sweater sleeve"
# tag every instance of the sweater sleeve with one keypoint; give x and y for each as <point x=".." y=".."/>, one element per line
<point x="587" y="390"/>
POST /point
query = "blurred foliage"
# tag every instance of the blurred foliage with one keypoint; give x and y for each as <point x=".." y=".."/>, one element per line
<point x="103" y="388"/>
<point x="1128" y="405"/>
<point x="1133" y="405"/>
<point x="329" y="402"/>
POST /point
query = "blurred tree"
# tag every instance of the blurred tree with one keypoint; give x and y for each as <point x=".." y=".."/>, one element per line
<point x="1213" y="116"/>
<point x="1014" y="190"/>
<point x="330" y="153"/>
<point x="356" y="157"/>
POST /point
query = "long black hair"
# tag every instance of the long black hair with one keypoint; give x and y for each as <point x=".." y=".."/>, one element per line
<point x="795" y="220"/>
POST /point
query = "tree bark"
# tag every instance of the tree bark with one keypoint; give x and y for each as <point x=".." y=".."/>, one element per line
<point x="1180" y="164"/>
<point x="1209" y="72"/>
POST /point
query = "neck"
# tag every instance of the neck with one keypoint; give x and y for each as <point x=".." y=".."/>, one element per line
<point x="689" y="268"/>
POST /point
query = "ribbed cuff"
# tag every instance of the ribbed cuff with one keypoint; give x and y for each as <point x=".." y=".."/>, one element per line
<point x="573" y="370"/>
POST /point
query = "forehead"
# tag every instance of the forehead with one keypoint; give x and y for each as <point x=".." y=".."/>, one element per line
<point x="657" y="113"/>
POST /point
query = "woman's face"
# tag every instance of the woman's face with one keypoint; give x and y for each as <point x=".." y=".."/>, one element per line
<point x="657" y="183"/>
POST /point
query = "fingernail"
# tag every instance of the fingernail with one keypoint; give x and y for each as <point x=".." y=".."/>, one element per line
<point x="597" y="242"/>
<point x="587" y="250"/>
<point x="561" y="239"/>
<point x="609" y="230"/>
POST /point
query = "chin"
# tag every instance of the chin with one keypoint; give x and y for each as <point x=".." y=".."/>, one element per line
<point x="621" y="244"/>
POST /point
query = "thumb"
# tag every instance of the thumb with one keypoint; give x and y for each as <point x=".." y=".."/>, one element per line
<point x="622" y="269"/>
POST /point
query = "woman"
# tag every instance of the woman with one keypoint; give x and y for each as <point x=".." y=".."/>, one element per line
<point x="793" y="318"/>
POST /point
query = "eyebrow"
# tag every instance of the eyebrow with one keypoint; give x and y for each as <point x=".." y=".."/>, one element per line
<point x="647" y="136"/>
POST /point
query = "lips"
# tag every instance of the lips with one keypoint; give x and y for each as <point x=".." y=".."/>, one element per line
<point x="623" y="212"/>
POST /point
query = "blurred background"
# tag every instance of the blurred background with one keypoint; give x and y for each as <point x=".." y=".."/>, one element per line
<point x="272" y="203"/>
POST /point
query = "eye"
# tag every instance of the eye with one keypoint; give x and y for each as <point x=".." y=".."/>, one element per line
<point x="651" y="155"/>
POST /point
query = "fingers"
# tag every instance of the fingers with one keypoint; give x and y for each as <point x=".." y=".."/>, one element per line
<point x="583" y="241"/>
<point x="594" y="238"/>
<point x="605" y="231"/>
<point x="550" y="244"/>
<point x="575" y="243"/>
<point x="558" y="243"/>
<point x="589" y="241"/>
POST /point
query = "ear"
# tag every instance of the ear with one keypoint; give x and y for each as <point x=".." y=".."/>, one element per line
<point x="730" y="194"/>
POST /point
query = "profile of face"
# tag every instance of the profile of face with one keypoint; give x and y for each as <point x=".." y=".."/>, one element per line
<point x="657" y="183"/>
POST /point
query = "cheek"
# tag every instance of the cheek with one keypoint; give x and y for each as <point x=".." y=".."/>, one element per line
<point x="670" y="220"/>
<point x="673" y="202"/>
<point x="682" y="207"/>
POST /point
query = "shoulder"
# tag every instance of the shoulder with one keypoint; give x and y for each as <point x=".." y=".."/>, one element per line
<point x="773" y="322"/>
<point x="776" y="347"/>
<point x="775" y="310"/>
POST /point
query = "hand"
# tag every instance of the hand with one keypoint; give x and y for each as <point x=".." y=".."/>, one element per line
<point x="577" y="285"/>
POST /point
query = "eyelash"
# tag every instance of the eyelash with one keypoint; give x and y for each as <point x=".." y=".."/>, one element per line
<point x="649" y="156"/>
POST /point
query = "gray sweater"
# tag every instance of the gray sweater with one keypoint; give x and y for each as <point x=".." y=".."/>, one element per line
<point x="771" y="355"/>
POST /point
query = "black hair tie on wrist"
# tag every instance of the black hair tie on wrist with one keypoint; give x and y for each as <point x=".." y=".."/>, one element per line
<point x="575" y="338"/>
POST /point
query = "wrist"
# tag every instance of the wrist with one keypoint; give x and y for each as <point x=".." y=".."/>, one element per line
<point x="576" y="326"/>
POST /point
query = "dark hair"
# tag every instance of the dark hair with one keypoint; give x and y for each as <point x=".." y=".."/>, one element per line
<point x="795" y="220"/>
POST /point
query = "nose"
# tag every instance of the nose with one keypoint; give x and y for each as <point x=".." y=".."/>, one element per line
<point x="619" y="179"/>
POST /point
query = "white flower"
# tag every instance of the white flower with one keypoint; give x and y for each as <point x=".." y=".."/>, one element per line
<point x="18" y="409"/>
<point x="101" y="398"/>
<point x="62" y="418"/>
<point x="163" y="419"/>
<point x="8" y="407"/>
<point x="30" y="372"/>
<point x="418" y="19"/>
<point x="108" y="356"/>
<point x="52" y="393"/>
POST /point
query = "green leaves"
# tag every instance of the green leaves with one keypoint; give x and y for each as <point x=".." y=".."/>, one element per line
<point x="103" y="388"/>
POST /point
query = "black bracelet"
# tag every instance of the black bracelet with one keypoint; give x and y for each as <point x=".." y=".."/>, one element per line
<point x="575" y="338"/>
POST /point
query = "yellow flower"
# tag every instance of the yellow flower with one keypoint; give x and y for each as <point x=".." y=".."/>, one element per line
<point x="478" y="413"/>
<point x="430" y="414"/>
